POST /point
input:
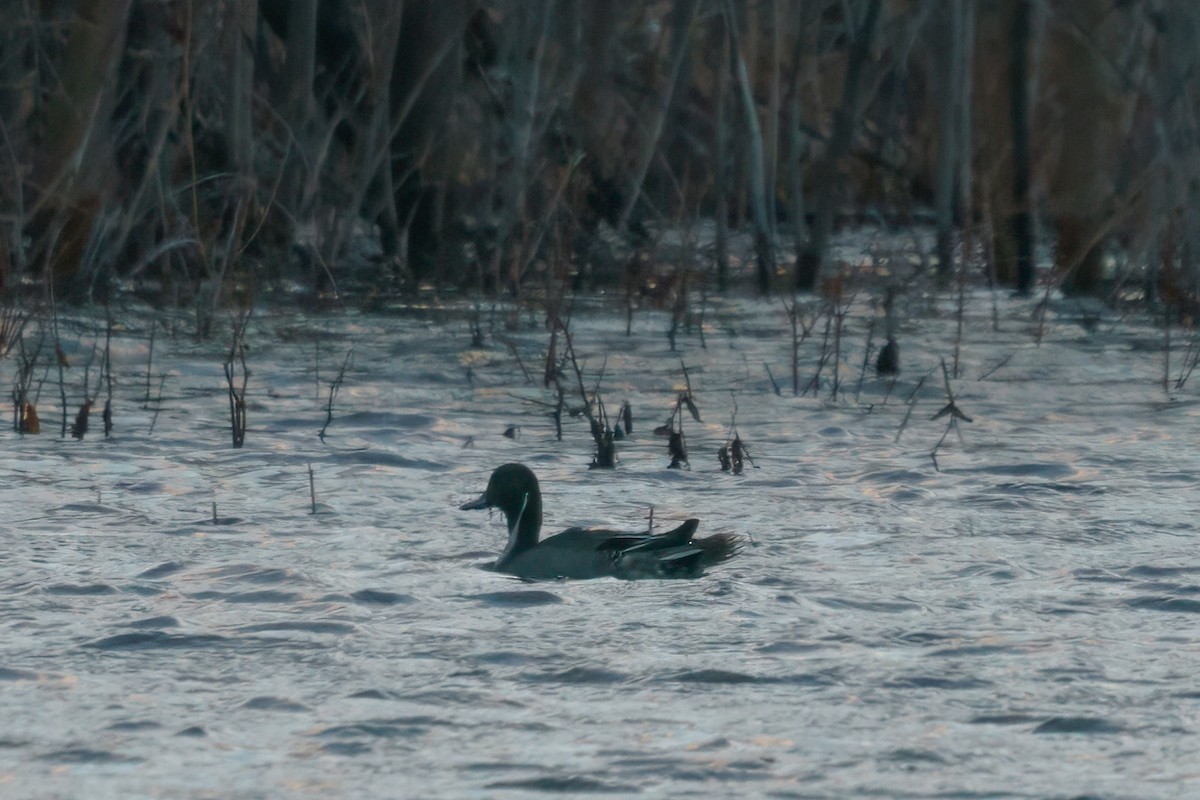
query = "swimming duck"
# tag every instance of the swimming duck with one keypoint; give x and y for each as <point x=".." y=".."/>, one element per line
<point x="590" y="553"/>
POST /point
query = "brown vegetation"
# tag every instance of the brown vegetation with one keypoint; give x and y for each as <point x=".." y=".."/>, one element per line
<point x="202" y="151"/>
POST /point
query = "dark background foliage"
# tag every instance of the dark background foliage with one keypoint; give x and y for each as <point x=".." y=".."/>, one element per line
<point x="201" y="151"/>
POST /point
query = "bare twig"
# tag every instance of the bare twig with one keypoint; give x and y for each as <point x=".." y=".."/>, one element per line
<point x="334" y="387"/>
<point x="512" y="348"/>
<point x="106" y="367"/>
<point x="814" y="383"/>
<point x="800" y="331"/>
<point x="774" y="383"/>
<point x="162" y="380"/>
<point x="25" y="418"/>
<point x="862" y="374"/>
<point x="12" y="325"/>
<point x="839" y="315"/>
<point x="606" y="451"/>
<point x="951" y="411"/>
<point x="237" y="394"/>
<point x="1190" y="358"/>
<point x="999" y="365"/>
<point x="312" y="488"/>
<point x="911" y="402"/>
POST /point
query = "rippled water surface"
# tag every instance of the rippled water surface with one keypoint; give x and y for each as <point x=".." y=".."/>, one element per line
<point x="1017" y="619"/>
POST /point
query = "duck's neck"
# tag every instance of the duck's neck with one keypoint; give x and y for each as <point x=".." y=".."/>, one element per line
<point x="524" y="525"/>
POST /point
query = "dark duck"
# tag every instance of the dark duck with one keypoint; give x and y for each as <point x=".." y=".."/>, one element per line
<point x="591" y="553"/>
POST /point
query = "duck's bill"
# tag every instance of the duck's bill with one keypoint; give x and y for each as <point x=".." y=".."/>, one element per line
<point x="479" y="502"/>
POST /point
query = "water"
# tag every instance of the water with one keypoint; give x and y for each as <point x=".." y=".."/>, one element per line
<point x="1017" y="620"/>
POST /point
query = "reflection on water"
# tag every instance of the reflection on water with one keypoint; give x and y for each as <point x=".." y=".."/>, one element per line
<point x="1018" y="621"/>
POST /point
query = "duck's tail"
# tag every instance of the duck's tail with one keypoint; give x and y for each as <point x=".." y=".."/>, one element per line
<point x="690" y="560"/>
<point x="673" y="554"/>
<point x="718" y="547"/>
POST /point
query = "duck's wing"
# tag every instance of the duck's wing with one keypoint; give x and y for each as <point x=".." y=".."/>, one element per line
<point x="674" y="554"/>
<point x="593" y="553"/>
<point x="634" y="542"/>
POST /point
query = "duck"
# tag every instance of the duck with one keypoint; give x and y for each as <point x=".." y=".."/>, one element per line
<point x="583" y="553"/>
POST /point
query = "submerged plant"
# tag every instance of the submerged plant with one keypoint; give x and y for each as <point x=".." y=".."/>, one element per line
<point x="888" y="360"/>
<point x="79" y="427"/>
<point x="952" y="412"/>
<point x="734" y="454"/>
<point x="673" y="429"/>
<point x="334" y="387"/>
<point x="677" y="448"/>
<point x="237" y="394"/>
<point x="605" y="456"/>
<point x="25" y="416"/>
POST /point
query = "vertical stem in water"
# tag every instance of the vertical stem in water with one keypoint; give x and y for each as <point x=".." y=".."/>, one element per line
<point x="150" y="361"/>
<point x="312" y="489"/>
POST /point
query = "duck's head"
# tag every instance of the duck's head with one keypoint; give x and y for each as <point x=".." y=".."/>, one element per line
<point x="513" y="488"/>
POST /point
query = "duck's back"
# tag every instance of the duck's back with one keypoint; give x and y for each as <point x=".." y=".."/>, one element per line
<point x="583" y="553"/>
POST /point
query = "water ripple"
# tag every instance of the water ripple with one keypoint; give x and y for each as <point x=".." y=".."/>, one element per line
<point x="596" y="675"/>
<point x="1082" y="725"/>
<point x="152" y="640"/>
<point x="382" y="598"/>
<point x="1181" y="605"/>
<point x="526" y="598"/>
<point x="566" y="785"/>
<point x="269" y="703"/>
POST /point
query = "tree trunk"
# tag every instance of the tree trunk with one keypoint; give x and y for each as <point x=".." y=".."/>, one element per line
<point x="301" y="47"/>
<point x="721" y="151"/>
<point x="797" y="138"/>
<point x="949" y="151"/>
<point x="684" y="15"/>
<point x="16" y="90"/>
<point x="845" y="124"/>
<point x="239" y="127"/>
<point x="73" y="161"/>
<point x="763" y="245"/>
<point x="301" y="44"/>
<point x="965" y="139"/>
<point x="373" y="123"/>
<point x="428" y="71"/>
<point x="1095" y="101"/>
<point x="778" y="20"/>
<point x="1022" y="220"/>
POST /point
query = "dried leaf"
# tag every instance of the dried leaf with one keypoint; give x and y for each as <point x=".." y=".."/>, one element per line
<point x="734" y="455"/>
<point x="678" y="450"/>
<point x="606" y="453"/>
<point x="691" y="407"/>
<point x="952" y="409"/>
<point x="60" y="355"/>
<point x="888" y="362"/>
<point x="29" y="420"/>
<point x="737" y="452"/>
<point x="80" y="427"/>
<point x="663" y="430"/>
